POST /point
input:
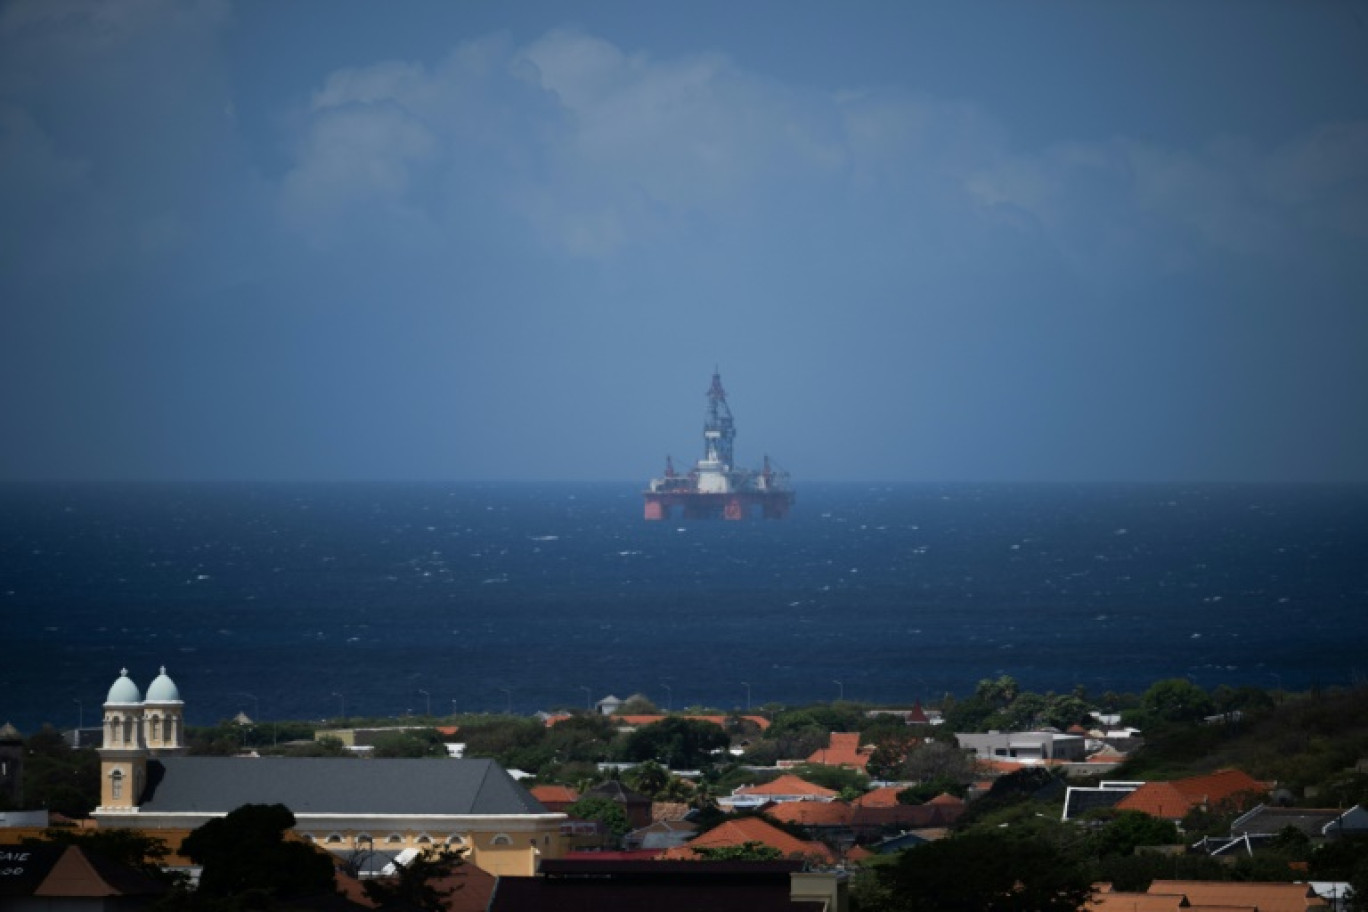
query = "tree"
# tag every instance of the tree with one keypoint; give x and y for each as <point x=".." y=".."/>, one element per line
<point x="604" y="811"/>
<point x="58" y="777"/>
<point x="423" y="743"/>
<point x="648" y="778"/>
<point x="676" y="742"/>
<point x="1175" y="700"/>
<point x="245" y="854"/>
<point x="983" y="872"/>
<point x="417" y="885"/>
<point x="1129" y="829"/>
<point x="890" y="752"/>
<point x="999" y="693"/>
<point x="637" y="705"/>
<point x="937" y="760"/>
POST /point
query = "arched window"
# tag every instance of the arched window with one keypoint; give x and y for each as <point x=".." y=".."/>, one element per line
<point x="456" y="840"/>
<point x="394" y="839"/>
<point x="424" y="840"/>
<point x="116" y="785"/>
<point x="501" y="839"/>
<point x="334" y="839"/>
<point x="156" y="728"/>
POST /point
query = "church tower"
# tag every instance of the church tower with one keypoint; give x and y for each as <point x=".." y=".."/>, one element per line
<point x="123" y="755"/>
<point x="163" y="717"/>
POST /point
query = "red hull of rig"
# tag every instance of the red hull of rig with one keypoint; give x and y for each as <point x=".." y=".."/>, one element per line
<point x="714" y="488"/>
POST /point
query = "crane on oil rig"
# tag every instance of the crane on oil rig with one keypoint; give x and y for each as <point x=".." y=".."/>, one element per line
<point x="715" y="487"/>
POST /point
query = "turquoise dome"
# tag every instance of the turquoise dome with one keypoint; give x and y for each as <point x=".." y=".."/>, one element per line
<point x="163" y="689"/>
<point x="124" y="690"/>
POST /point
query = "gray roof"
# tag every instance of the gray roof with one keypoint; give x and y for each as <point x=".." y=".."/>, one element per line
<point x="1271" y="821"/>
<point x="335" y="785"/>
<point x="1081" y="799"/>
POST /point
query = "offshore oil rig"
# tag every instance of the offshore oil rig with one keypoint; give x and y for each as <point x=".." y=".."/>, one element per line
<point x="715" y="487"/>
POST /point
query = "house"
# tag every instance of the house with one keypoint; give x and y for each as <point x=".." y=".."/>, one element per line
<point x="786" y="788"/>
<point x="343" y="804"/>
<point x="468" y="889"/>
<point x="1319" y="824"/>
<point x="69" y="877"/>
<point x="1173" y="800"/>
<point x="635" y="805"/>
<point x="1079" y="800"/>
<point x="843" y="749"/>
<point x="678" y="886"/>
<point x="1265" y="897"/>
<point x="608" y="705"/>
<point x="1264" y="824"/>
<point x="739" y="832"/>
<point x="555" y="798"/>
<point x="1025" y="747"/>
<point x="914" y="716"/>
<point x="661" y="835"/>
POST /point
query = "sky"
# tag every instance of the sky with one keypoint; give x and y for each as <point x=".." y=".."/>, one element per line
<point x="922" y="242"/>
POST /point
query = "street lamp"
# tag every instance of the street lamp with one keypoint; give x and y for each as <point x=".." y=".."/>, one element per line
<point x="669" y="696"/>
<point x="80" y="721"/>
<point x="840" y="691"/>
<point x="509" y="705"/>
<point x="588" y="698"/>
<point x="428" y="697"/>
<point x="341" y="702"/>
<point x="453" y="707"/>
<point x="746" y="684"/>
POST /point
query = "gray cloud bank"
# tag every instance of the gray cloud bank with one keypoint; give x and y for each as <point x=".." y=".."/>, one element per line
<point x="522" y="258"/>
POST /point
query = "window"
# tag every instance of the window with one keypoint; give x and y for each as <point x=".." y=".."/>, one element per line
<point x="424" y="840"/>
<point x="501" y="840"/>
<point x="394" y="839"/>
<point x="457" y="840"/>
<point x="334" y="839"/>
<point x="116" y="785"/>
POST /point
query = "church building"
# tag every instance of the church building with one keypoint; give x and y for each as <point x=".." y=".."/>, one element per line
<point x="351" y="806"/>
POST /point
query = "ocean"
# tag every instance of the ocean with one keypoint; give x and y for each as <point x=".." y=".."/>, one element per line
<point x="311" y="601"/>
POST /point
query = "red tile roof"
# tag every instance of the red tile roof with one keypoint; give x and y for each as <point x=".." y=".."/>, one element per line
<point x="1266" y="897"/>
<point x="554" y="794"/>
<point x="842" y="750"/>
<point x="1109" y="901"/>
<point x="880" y="797"/>
<point x="788" y="784"/>
<point x="1172" y="800"/>
<point x="720" y="721"/>
<point x="751" y="829"/>
<point x="811" y="813"/>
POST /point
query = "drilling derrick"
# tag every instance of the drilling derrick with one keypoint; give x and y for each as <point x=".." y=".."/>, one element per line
<point x="715" y="487"/>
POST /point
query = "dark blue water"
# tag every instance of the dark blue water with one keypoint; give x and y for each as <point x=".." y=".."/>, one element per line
<point x="301" y="601"/>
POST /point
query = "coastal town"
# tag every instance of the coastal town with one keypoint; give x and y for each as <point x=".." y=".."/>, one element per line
<point x="1176" y="798"/>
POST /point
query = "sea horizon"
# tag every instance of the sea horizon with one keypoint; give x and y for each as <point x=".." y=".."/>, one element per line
<point x="310" y="600"/>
